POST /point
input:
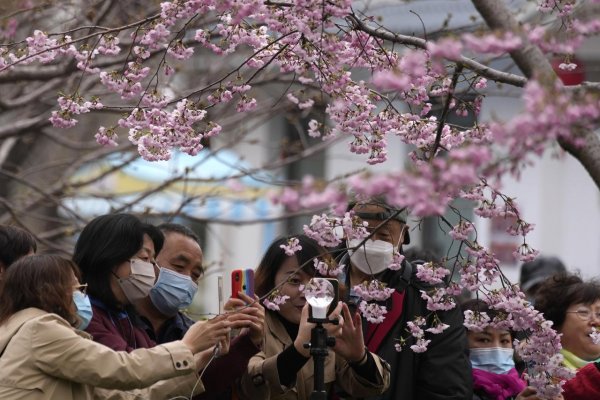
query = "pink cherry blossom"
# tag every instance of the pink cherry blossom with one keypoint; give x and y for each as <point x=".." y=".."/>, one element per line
<point x="292" y="246"/>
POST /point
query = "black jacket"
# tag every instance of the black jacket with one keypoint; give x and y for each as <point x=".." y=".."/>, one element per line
<point x="443" y="372"/>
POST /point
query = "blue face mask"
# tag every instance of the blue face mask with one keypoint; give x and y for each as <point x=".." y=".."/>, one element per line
<point x="84" y="309"/>
<point x="497" y="360"/>
<point x="172" y="292"/>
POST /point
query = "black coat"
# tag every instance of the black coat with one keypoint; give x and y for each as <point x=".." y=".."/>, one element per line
<point x="443" y="372"/>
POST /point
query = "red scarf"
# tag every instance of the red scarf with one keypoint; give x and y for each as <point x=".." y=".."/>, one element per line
<point x="377" y="332"/>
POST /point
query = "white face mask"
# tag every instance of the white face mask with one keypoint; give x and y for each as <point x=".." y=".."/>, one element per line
<point x="372" y="257"/>
<point x="137" y="285"/>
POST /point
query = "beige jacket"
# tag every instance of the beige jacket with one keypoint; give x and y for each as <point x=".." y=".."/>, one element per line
<point x="261" y="380"/>
<point x="42" y="358"/>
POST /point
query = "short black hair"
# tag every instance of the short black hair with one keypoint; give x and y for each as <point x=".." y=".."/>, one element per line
<point x="104" y="243"/>
<point x="14" y="244"/>
<point x="559" y="292"/>
<point x="170" y="227"/>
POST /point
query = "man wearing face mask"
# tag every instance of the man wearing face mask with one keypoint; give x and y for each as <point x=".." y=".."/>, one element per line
<point x="179" y="264"/>
<point x="441" y="372"/>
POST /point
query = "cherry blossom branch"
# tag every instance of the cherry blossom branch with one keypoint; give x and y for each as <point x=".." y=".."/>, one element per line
<point x="444" y="116"/>
<point x="81" y="39"/>
<point x="533" y="63"/>
<point x="481" y="69"/>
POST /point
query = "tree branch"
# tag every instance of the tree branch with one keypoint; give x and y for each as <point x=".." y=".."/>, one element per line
<point x="481" y="69"/>
<point x="530" y="59"/>
<point x="18" y="126"/>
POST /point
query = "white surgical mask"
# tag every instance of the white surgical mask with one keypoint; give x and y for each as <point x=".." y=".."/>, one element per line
<point x="137" y="285"/>
<point x="372" y="257"/>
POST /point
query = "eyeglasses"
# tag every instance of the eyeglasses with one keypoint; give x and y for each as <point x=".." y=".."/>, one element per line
<point x="81" y="287"/>
<point x="585" y="314"/>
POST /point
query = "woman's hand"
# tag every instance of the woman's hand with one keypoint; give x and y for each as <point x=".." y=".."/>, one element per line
<point x="349" y="344"/>
<point x="249" y="314"/>
<point x="205" y="334"/>
<point x="303" y="333"/>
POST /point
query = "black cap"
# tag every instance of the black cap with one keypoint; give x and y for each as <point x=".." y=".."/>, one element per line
<point x="538" y="270"/>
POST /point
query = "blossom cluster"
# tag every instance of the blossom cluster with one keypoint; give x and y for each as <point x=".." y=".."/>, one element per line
<point x="274" y="300"/>
<point x="292" y="246"/>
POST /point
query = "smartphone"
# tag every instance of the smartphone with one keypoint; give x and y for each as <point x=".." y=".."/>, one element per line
<point x="336" y="297"/>
<point x="242" y="280"/>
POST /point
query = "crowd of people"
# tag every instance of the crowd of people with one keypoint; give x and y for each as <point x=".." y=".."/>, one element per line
<point x="107" y="323"/>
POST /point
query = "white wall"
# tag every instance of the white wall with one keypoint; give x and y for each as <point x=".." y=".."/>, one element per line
<point x="559" y="197"/>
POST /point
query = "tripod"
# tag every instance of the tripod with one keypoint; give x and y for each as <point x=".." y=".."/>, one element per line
<point x="319" y="342"/>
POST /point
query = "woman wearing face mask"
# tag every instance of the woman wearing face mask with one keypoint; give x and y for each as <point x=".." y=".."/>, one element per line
<point x="284" y="369"/>
<point x="115" y="254"/>
<point x="44" y="357"/>
<point x="491" y="354"/>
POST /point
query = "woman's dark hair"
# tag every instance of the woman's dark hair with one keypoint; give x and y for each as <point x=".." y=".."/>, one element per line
<point x="14" y="244"/>
<point x="559" y="292"/>
<point x="156" y="235"/>
<point x="104" y="243"/>
<point x="264" y="280"/>
<point x="41" y="281"/>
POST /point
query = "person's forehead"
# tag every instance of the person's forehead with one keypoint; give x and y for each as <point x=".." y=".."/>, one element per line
<point x="488" y="330"/>
<point x="289" y="264"/>
<point x="594" y="305"/>
<point x="291" y="267"/>
<point x="178" y="245"/>
<point x="174" y="239"/>
<point x="375" y="215"/>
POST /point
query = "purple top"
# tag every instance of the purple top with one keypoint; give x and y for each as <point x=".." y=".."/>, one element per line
<point x="114" y="329"/>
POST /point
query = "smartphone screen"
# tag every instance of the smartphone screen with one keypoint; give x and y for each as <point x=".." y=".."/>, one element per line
<point x="242" y="280"/>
